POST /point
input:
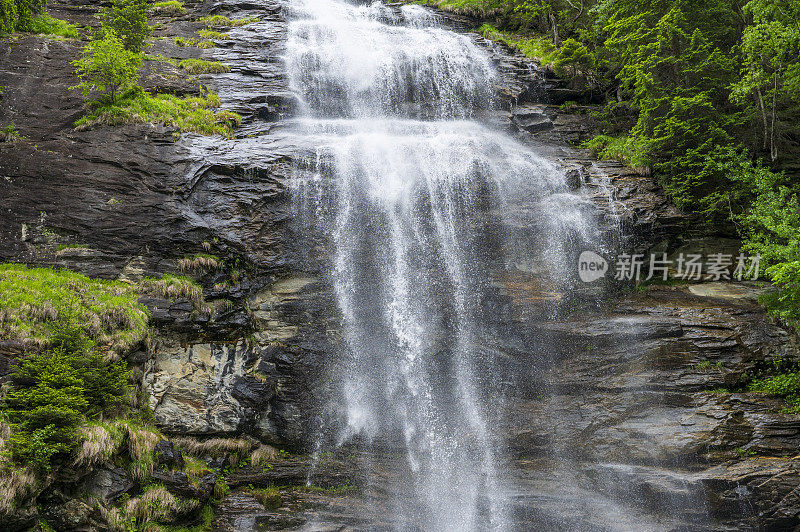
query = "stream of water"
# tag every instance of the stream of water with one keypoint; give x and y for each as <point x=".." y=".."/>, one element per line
<point x="420" y="205"/>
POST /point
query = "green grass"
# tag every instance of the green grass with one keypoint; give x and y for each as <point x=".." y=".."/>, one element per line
<point x="225" y="22"/>
<point x="172" y="7"/>
<point x="192" y="113"/>
<point x="197" y="43"/>
<point x="473" y="8"/>
<point x="786" y="385"/>
<point x="199" y="66"/>
<point x="539" y="48"/>
<point x="195" y="466"/>
<point x="211" y="34"/>
<point x="270" y="496"/>
<point x="32" y="299"/>
<point x="627" y="150"/>
<point x="47" y="25"/>
<point x="205" y="524"/>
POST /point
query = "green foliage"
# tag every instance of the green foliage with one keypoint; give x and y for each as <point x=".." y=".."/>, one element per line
<point x="47" y="25"/>
<point x="34" y="300"/>
<point x="128" y="20"/>
<point x="54" y="390"/>
<point x="193" y="113"/>
<point x="770" y="229"/>
<point x="626" y="149"/>
<point x="572" y="58"/>
<point x="221" y="21"/>
<point x="19" y="15"/>
<point x="769" y="84"/>
<point x="172" y="7"/>
<point x="10" y="133"/>
<point x="106" y="66"/>
<point x="535" y="47"/>
<point x="197" y="43"/>
<point x="211" y="34"/>
<point x="199" y="66"/>
<point x="786" y="385"/>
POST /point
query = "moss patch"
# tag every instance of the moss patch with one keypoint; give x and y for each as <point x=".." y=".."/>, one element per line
<point x="32" y="299"/>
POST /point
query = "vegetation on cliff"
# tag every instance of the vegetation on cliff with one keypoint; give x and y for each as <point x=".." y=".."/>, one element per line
<point x="33" y="300"/>
<point x="705" y="95"/>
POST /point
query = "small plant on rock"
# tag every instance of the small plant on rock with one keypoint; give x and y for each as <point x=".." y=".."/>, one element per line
<point x="107" y="67"/>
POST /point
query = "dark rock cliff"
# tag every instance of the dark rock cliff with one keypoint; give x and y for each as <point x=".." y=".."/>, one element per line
<point x="629" y="383"/>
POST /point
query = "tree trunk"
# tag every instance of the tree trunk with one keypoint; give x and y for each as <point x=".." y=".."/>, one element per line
<point x="556" y="38"/>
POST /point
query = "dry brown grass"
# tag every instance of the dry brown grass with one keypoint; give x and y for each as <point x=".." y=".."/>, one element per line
<point x="174" y="287"/>
<point x="100" y="442"/>
<point x="263" y="454"/>
<point x="233" y="448"/>
<point x="158" y="504"/>
<point x="16" y="485"/>
<point x="200" y="263"/>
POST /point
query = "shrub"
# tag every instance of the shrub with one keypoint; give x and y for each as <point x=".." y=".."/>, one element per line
<point x="10" y="133"/>
<point x="572" y="58"/>
<point x="107" y="66"/>
<point x="128" y="20"/>
<point x="18" y="15"/>
<point x="626" y="149"/>
<point x="786" y="385"/>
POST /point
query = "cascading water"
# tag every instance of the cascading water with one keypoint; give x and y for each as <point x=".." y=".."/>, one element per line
<point x="408" y="192"/>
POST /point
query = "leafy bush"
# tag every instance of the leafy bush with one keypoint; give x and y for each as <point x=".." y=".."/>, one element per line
<point x="18" y="15"/>
<point x="10" y="133"/>
<point x="572" y="58"/>
<point x="128" y="20"/>
<point x="770" y="229"/>
<point x="786" y="385"/>
<point x="107" y="66"/>
<point x="627" y="150"/>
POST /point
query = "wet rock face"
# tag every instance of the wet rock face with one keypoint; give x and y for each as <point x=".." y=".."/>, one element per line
<point x="108" y="483"/>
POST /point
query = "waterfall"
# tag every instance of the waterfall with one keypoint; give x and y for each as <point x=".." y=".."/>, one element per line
<point x="409" y="195"/>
